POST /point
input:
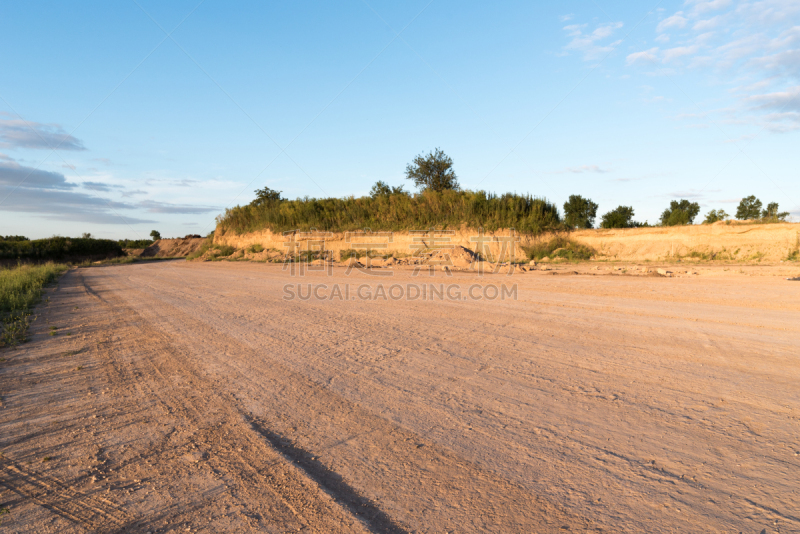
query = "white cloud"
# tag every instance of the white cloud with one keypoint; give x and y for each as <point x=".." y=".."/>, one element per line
<point x="679" y="51"/>
<point x="707" y="24"/>
<point x="583" y="169"/>
<point x="589" y="44"/>
<point x="646" y="56"/>
<point x="675" y="21"/>
<point x="704" y="6"/>
<point x="789" y="99"/>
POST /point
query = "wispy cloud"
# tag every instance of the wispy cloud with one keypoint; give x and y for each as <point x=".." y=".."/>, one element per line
<point x="646" y="56"/>
<point x="592" y="45"/>
<point x="582" y="169"/>
<point x="101" y="186"/>
<point x="17" y="133"/>
<point x="759" y="51"/>
<point x="162" y="207"/>
<point x="675" y="21"/>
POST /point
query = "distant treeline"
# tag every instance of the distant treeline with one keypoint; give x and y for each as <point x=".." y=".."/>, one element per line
<point x="395" y="210"/>
<point x="57" y="248"/>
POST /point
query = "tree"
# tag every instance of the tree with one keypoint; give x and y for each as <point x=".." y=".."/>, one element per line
<point x="680" y="212"/>
<point x="772" y="214"/>
<point x="714" y="216"/>
<point x="266" y="195"/>
<point x="383" y="189"/>
<point x="86" y="235"/>
<point x="749" y="208"/>
<point x="434" y="172"/>
<point x="621" y="217"/>
<point x="579" y="212"/>
<point x="155" y="235"/>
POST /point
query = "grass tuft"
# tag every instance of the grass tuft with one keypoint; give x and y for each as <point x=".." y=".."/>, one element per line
<point x="559" y="247"/>
<point x="21" y="289"/>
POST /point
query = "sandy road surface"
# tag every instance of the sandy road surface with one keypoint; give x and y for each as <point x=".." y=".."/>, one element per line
<point x="191" y="397"/>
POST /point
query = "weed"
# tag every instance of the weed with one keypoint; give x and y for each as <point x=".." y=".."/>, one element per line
<point x="559" y="247"/>
<point x="4" y="511"/>
<point x="2" y="359"/>
<point x="348" y="253"/>
<point x="256" y="248"/>
<point x="79" y="368"/>
<point x="69" y="333"/>
<point x="47" y="458"/>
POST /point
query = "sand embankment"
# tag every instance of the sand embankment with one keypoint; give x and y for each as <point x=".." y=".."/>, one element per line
<point x="171" y="248"/>
<point x="400" y="242"/>
<point x="735" y="241"/>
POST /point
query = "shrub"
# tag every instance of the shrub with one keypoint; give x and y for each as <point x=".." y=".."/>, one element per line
<point x="714" y="216"/>
<point x="135" y="243"/>
<point x="223" y="250"/>
<point x="621" y="217"/>
<point x="559" y="247"/>
<point x="204" y="247"/>
<point x="771" y="214"/>
<point x="256" y="248"/>
<point x="395" y="212"/>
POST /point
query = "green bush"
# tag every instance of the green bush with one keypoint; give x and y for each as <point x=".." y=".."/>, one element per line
<point x="256" y="248"/>
<point x="559" y="247"/>
<point x="135" y="243"/>
<point x="714" y="216"/>
<point x="223" y="250"/>
<point x="449" y="209"/>
<point x="620" y="217"/>
<point x="204" y="246"/>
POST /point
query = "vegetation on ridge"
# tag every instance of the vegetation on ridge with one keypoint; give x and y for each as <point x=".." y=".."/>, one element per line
<point x="395" y="210"/>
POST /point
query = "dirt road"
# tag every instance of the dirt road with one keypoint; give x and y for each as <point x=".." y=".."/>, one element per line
<point x="179" y="397"/>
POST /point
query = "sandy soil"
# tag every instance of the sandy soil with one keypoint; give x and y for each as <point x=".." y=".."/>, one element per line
<point x="183" y="397"/>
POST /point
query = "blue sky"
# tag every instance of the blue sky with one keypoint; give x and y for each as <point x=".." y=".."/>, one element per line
<point x="118" y="118"/>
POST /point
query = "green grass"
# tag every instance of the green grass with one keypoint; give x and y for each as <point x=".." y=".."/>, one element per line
<point x="559" y="247"/>
<point x="448" y="209"/>
<point x="20" y="290"/>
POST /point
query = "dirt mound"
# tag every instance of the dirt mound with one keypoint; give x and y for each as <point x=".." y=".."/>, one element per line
<point x="172" y="248"/>
<point x="742" y="241"/>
